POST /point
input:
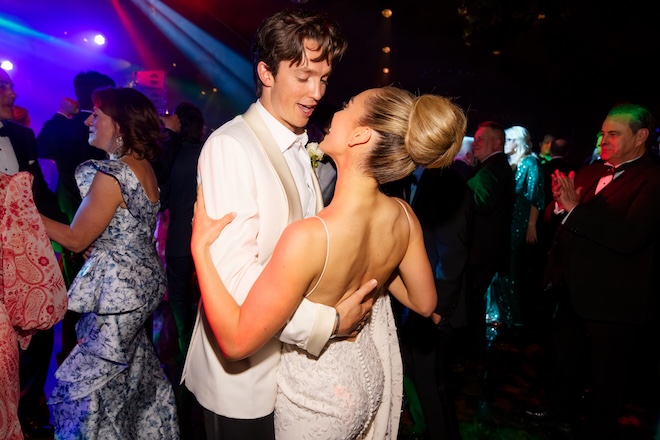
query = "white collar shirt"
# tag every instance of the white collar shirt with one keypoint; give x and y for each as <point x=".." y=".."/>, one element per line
<point x="8" y="161"/>
<point x="606" y="179"/>
<point x="295" y="154"/>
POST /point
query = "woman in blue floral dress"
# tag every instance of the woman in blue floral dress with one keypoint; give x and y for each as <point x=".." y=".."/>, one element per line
<point x="504" y="294"/>
<point x="111" y="386"/>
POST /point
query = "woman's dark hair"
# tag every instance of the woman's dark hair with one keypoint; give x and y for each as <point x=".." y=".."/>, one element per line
<point x="137" y="118"/>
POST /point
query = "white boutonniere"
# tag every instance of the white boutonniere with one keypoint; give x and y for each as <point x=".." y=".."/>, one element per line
<point x="315" y="153"/>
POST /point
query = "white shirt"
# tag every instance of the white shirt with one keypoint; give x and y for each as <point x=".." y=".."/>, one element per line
<point x="8" y="161"/>
<point x="295" y="154"/>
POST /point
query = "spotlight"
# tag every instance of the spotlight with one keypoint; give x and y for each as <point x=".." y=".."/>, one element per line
<point x="7" y="65"/>
<point x="386" y="70"/>
<point x="386" y="49"/>
<point x="387" y="13"/>
<point x="99" y="39"/>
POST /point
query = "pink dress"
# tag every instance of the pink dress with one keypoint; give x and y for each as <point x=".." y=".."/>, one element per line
<point x="32" y="291"/>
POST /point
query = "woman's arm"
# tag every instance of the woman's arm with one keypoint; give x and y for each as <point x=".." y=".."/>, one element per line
<point x="92" y="217"/>
<point x="240" y="331"/>
<point x="531" y="236"/>
<point x="415" y="287"/>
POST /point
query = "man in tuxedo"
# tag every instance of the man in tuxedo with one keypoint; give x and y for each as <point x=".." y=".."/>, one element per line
<point x="257" y="165"/>
<point x="606" y="256"/>
<point x="442" y="202"/>
<point x="493" y="193"/>
<point x="18" y="152"/>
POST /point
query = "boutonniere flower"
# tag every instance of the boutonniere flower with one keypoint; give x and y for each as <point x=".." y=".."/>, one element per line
<point x="315" y="153"/>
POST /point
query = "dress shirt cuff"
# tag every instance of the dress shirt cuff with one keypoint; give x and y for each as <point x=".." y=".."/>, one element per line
<point x="310" y="327"/>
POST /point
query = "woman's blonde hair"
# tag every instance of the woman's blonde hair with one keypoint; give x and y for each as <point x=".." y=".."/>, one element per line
<point x="424" y="130"/>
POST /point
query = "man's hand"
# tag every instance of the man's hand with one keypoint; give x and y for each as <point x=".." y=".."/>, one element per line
<point x="354" y="310"/>
<point x="564" y="191"/>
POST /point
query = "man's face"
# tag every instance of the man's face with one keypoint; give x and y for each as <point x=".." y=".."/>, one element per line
<point x="292" y="95"/>
<point x="485" y="143"/>
<point x="7" y="96"/>
<point x="619" y="144"/>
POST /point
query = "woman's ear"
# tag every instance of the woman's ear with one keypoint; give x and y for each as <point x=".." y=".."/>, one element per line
<point x="265" y="75"/>
<point x="359" y="136"/>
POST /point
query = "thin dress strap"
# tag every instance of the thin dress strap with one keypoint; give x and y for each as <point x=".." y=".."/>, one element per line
<point x="327" y="252"/>
<point x="404" y="210"/>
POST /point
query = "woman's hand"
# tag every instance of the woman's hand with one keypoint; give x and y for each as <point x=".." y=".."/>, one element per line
<point x="205" y="229"/>
<point x="531" y="236"/>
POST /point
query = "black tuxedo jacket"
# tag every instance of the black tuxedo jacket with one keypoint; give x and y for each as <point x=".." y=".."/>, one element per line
<point x="25" y="148"/>
<point x="178" y="195"/>
<point x="607" y="251"/>
<point x="65" y="141"/>
<point x="493" y="190"/>
<point x="443" y="203"/>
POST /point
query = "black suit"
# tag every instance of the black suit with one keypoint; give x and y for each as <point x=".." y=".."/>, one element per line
<point x="607" y="254"/>
<point x="34" y="362"/>
<point x="65" y="141"/>
<point x="179" y="195"/>
<point x="442" y="203"/>
<point x="493" y="191"/>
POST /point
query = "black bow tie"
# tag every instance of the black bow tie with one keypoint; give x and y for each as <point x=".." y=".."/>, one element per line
<point x="4" y="131"/>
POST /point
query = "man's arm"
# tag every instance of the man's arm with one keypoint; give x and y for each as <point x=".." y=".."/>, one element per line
<point x="312" y="335"/>
<point x="229" y="182"/>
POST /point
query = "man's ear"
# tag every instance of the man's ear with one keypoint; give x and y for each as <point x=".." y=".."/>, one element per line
<point x="265" y="75"/>
<point x="641" y="135"/>
<point x="359" y="136"/>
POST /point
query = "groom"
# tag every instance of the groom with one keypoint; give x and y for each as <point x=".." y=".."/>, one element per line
<point x="257" y="165"/>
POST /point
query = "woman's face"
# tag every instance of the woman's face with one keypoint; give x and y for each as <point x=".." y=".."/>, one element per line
<point x="510" y="146"/>
<point x="343" y="123"/>
<point x="102" y="131"/>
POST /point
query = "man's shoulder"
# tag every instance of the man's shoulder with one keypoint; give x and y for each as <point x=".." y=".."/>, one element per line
<point x="233" y="132"/>
<point x="15" y="127"/>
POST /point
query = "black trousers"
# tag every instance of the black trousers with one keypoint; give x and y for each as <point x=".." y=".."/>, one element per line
<point x="224" y="428"/>
<point x="594" y="355"/>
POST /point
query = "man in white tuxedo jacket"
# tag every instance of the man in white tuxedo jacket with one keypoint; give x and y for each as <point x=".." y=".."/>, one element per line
<point x="256" y="165"/>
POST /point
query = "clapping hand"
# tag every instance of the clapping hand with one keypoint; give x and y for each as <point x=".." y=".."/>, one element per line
<point x="564" y="191"/>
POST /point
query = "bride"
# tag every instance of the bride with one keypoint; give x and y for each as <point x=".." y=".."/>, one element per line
<point x="353" y="389"/>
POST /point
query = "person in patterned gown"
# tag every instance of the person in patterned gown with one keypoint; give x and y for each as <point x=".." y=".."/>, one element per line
<point x="111" y="385"/>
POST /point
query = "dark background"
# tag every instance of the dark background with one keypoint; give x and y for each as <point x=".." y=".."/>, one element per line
<point x="551" y="66"/>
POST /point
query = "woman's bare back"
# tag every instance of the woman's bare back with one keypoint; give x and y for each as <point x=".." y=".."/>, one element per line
<point x="366" y="242"/>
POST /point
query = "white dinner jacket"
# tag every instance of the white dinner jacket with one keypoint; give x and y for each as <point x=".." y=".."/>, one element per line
<point x="237" y="174"/>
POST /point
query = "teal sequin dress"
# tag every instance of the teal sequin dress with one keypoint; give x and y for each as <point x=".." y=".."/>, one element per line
<point x="112" y="386"/>
<point x="503" y="294"/>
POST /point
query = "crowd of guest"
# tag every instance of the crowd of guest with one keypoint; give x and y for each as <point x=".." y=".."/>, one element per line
<point x="515" y="236"/>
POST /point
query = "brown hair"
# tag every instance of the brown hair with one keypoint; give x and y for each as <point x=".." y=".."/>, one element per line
<point x="137" y="118"/>
<point x="281" y="37"/>
<point x="412" y="130"/>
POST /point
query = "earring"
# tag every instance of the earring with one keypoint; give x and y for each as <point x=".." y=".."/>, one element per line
<point x="119" y="142"/>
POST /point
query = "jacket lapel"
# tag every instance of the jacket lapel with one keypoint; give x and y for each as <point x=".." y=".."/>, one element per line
<point x="268" y="144"/>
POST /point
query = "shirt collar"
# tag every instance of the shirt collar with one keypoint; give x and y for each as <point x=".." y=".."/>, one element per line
<point x="284" y="137"/>
<point x="623" y="163"/>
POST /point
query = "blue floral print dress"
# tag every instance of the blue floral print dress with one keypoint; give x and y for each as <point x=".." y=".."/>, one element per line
<point x="111" y="386"/>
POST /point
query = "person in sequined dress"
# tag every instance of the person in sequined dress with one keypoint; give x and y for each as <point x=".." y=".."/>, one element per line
<point x="503" y="297"/>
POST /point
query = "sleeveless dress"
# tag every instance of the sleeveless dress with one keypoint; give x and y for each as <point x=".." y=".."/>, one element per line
<point x="111" y="386"/>
<point x="353" y="390"/>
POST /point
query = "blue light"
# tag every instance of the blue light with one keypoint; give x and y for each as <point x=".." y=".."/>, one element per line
<point x="99" y="39"/>
<point x="7" y="65"/>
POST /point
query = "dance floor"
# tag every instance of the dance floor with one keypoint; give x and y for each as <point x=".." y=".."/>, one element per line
<point x="493" y="408"/>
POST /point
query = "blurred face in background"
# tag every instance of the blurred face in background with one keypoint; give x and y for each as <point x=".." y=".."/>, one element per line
<point x="485" y="143"/>
<point x="7" y="96"/>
